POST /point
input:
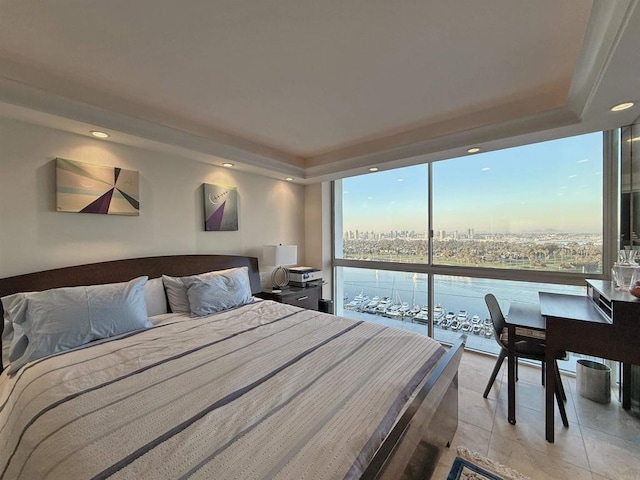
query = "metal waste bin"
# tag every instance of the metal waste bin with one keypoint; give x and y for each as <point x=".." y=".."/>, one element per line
<point x="325" y="305"/>
<point x="593" y="380"/>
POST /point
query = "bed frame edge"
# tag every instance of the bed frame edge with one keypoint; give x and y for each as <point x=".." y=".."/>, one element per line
<point x="412" y="449"/>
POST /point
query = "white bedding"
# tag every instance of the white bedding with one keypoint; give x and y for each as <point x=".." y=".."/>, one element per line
<point x="263" y="391"/>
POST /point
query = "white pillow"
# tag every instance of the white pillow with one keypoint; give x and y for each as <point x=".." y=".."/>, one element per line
<point x="56" y="320"/>
<point x="218" y="291"/>
<point x="155" y="297"/>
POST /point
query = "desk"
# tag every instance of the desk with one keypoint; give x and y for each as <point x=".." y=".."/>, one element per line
<point x="524" y="321"/>
<point x="579" y="324"/>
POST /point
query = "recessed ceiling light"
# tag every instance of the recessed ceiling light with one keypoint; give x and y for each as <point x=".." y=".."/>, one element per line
<point x="289" y="179"/>
<point x="228" y="164"/>
<point x="99" y="134"/>
<point x="473" y="150"/>
<point x="373" y="169"/>
<point x="622" y="106"/>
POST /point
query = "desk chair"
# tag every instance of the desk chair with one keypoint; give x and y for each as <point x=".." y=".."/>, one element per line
<point x="530" y="349"/>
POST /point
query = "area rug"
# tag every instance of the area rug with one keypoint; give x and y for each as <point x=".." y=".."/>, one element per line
<point x="470" y="465"/>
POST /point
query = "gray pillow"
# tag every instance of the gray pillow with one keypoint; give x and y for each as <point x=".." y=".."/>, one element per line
<point x="218" y="291"/>
<point x="56" y="320"/>
<point x="176" y="293"/>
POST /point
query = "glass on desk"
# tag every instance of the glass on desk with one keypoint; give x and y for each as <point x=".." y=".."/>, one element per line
<point x="624" y="268"/>
<point x="623" y="274"/>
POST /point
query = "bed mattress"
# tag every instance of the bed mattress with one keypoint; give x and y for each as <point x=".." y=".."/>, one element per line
<point x="263" y="391"/>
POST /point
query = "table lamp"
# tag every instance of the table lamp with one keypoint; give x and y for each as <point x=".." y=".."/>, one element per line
<point x="279" y="256"/>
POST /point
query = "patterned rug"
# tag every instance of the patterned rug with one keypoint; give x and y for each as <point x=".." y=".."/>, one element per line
<point x="470" y="465"/>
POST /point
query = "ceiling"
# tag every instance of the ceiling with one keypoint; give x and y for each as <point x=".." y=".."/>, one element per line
<point x="320" y="90"/>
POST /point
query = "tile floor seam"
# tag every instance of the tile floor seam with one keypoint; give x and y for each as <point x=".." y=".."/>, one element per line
<point x="587" y="453"/>
<point x="580" y="426"/>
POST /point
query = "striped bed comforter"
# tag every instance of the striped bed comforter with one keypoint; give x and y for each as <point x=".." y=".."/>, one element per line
<point x="260" y="392"/>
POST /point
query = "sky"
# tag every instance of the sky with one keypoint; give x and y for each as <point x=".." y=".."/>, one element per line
<point x="554" y="185"/>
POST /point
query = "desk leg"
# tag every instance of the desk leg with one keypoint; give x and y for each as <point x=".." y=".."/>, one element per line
<point x="511" y="375"/>
<point x="549" y="391"/>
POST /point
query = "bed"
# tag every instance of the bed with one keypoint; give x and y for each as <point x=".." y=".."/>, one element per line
<point x="256" y="389"/>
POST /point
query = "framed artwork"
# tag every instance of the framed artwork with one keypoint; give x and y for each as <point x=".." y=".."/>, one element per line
<point x="220" y="208"/>
<point x="86" y="188"/>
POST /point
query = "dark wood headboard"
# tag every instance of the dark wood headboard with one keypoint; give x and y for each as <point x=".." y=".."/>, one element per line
<point x="125" y="270"/>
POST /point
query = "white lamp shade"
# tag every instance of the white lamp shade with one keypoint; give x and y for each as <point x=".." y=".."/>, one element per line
<point x="277" y="255"/>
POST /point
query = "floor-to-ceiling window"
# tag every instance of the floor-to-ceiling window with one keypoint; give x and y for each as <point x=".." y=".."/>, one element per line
<point x="511" y="222"/>
<point x="536" y="207"/>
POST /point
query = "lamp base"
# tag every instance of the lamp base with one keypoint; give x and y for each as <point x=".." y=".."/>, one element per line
<point x="280" y="278"/>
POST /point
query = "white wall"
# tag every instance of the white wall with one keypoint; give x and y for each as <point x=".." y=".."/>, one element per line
<point x="33" y="236"/>
<point x="318" y="233"/>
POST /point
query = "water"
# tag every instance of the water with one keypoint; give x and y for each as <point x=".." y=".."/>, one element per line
<point x="452" y="294"/>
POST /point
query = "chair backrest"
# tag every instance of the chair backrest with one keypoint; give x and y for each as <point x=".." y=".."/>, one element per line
<point x="496" y="317"/>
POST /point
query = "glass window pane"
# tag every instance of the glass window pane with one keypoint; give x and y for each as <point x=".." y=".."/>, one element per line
<point x="396" y="299"/>
<point x="399" y="299"/>
<point x="465" y="311"/>
<point x="535" y="207"/>
<point x="384" y="216"/>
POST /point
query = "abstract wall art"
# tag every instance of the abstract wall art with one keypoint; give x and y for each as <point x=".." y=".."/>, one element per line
<point x="220" y="208"/>
<point x="86" y="188"/>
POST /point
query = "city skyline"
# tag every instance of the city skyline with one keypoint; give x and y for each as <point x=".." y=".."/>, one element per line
<point x="463" y="233"/>
<point x="552" y="186"/>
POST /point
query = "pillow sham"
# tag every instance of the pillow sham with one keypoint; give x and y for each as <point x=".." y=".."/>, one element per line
<point x="8" y="336"/>
<point x="176" y="294"/>
<point x="218" y="291"/>
<point x="155" y="297"/>
<point x="59" y="319"/>
<point x="177" y="291"/>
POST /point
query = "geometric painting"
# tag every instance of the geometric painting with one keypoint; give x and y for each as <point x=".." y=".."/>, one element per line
<point x="220" y="208"/>
<point x="86" y="188"/>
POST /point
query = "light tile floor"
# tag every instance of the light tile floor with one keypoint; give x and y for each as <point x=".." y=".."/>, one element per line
<point x="601" y="443"/>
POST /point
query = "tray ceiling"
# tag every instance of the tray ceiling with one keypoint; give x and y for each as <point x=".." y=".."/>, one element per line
<point x="319" y="89"/>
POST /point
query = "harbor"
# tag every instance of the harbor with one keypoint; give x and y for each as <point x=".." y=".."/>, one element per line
<point x="447" y="324"/>
<point x="403" y="312"/>
<point x="400" y="299"/>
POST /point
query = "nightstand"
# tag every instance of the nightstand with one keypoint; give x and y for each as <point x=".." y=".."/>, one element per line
<point x="304" y="297"/>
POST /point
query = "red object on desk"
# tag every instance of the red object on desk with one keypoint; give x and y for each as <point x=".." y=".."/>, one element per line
<point x="635" y="290"/>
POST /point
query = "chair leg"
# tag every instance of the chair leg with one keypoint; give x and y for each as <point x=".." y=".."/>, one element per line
<point x="559" y="401"/>
<point x="559" y="383"/>
<point x="517" y="369"/>
<point x="543" y="371"/>
<point x="494" y="374"/>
